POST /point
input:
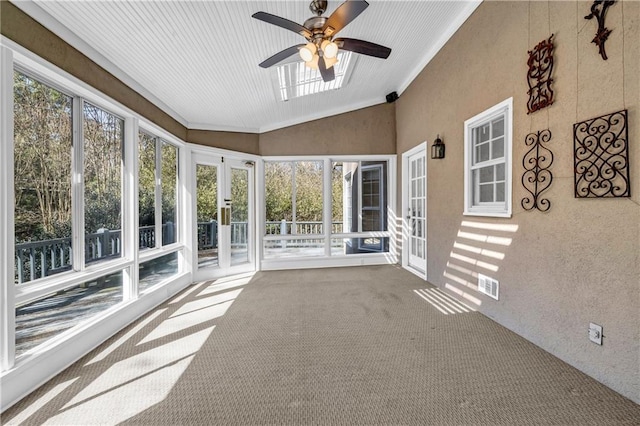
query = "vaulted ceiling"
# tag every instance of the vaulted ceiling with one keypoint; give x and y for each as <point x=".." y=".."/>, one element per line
<point x="198" y="60"/>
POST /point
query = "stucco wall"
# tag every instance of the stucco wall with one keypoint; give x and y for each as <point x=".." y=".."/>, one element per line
<point x="243" y="142"/>
<point x="364" y="131"/>
<point x="579" y="262"/>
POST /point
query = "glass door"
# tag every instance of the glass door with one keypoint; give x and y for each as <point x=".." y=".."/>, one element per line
<point x="416" y="212"/>
<point x="224" y="218"/>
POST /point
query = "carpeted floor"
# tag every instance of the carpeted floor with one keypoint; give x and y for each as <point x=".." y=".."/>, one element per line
<point x="350" y="346"/>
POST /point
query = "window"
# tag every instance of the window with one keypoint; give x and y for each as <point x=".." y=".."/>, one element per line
<point x="295" y="79"/>
<point x="293" y="197"/>
<point x="157" y="186"/>
<point x="322" y="209"/>
<point x="293" y="207"/>
<point x="487" y="155"/>
<point x="103" y="135"/>
<point x="364" y="206"/>
<point x="42" y="179"/>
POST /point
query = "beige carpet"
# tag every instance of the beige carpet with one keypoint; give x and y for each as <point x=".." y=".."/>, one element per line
<point x="329" y="346"/>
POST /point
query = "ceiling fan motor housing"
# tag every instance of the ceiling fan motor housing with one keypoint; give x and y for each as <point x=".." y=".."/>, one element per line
<point x="318" y="7"/>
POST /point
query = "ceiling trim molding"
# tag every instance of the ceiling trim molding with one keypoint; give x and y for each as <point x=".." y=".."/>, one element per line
<point x="293" y="122"/>
<point x="439" y="44"/>
<point x="216" y="128"/>
<point x="53" y="25"/>
<point x="327" y="113"/>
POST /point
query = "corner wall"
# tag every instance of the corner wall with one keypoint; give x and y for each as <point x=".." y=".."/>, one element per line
<point x="367" y="131"/>
<point x="579" y="262"/>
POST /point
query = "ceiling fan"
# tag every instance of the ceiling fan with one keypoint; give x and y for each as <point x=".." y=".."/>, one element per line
<point x="321" y="50"/>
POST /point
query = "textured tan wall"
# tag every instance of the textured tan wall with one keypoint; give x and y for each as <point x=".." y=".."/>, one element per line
<point x="579" y="262"/>
<point x="365" y="131"/>
<point x="242" y="142"/>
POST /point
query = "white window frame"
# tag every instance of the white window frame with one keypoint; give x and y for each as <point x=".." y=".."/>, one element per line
<point x="494" y="209"/>
<point x="19" y="59"/>
<point x="329" y="260"/>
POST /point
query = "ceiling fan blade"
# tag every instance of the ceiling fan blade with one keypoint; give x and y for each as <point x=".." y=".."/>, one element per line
<point x="282" y="23"/>
<point x="327" y="74"/>
<point x="363" y="47"/>
<point x="345" y="13"/>
<point x="280" y="56"/>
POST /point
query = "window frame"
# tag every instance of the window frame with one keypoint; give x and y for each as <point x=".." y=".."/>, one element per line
<point x="328" y="259"/>
<point x="16" y="58"/>
<point x="472" y="207"/>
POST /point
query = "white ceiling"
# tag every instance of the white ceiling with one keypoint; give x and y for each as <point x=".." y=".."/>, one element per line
<point x="198" y="60"/>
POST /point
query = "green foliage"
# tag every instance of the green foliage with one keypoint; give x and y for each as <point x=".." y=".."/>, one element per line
<point x="42" y="160"/>
<point x="207" y="193"/>
<point x="146" y="179"/>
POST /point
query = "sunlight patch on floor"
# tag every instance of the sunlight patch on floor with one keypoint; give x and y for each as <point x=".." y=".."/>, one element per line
<point x="442" y="301"/>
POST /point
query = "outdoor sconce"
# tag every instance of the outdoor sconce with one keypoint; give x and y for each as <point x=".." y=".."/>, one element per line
<point x="437" y="149"/>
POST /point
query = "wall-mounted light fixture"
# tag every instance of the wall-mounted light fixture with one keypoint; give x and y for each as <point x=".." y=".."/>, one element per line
<point x="437" y="149"/>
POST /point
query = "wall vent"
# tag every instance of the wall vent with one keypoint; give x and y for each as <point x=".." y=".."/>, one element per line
<point x="488" y="286"/>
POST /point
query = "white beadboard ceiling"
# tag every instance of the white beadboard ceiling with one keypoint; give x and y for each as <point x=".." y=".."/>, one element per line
<point x="198" y="60"/>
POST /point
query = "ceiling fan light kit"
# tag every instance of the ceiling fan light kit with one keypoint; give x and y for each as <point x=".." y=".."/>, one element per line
<point x="321" y="50"/>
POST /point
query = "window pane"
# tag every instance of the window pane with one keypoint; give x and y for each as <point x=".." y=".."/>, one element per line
<point x="497" y="150"/>
<point x="239" y="216"/>
<point x="486" y="193"/>
<point x="500" y="192"/>
<point x="154" y="271"/>
<point x="169" y="183"/>
<point x="500" y="171"/>
<point x="147" y="190"/>
<point x="309" y="197"/>
<point x="482" y="153"/>
<point x="103" y="141"/>
<point x="372" y="198"/>
<point x="344" y="189"/>
<point x="47" y="317"/>
<point x="42" y="177"/>
<point x="484" y="132"/>
<point x="370" y="220"/>
<point x="497" y="127"/>
<point x="337" y="197"/>
<point x="486" y="174"/>
<point x="207" y="214"/>
<point x="278" y="197"/>
<point x="277" y="249"/>
<point x="367" y="245"/>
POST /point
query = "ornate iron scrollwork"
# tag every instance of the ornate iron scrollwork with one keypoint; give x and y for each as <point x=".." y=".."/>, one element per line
<point x="603" y="32"/>
<point x="539" y="76"/>
<point x="537" y="176"/>
<point x="601" y="153"/>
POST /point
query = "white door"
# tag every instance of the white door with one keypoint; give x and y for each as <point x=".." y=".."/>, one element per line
<point x="414" y="196"/>
<point x="223" y="217"/>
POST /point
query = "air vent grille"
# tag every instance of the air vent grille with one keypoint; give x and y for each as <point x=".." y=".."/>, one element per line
<point x="488" y="286"/>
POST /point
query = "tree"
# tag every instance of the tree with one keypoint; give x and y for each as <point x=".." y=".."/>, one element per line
<point x="42" y="160"/>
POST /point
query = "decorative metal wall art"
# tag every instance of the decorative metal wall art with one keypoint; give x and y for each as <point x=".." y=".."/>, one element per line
<point x="539" y="76"/>
<point x="601" y="154"/>
<point x="599" y="11"/>
<point x="537" y="176"/>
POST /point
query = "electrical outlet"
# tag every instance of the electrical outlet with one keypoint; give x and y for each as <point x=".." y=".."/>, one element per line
<point x="595" y="333"/>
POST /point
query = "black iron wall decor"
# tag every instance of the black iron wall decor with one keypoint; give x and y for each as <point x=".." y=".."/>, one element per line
<point x="601" y="153"/>
<point x="539" y="76"/>
<point x="537" y="177"/>
<point x="599" y="11"/>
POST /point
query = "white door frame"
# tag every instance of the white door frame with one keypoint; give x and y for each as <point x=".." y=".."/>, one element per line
<point x="224" y="164"/>
<point x="406" y="226"/>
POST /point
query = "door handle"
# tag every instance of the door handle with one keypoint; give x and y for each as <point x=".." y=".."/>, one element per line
<point x="225" y="215"/>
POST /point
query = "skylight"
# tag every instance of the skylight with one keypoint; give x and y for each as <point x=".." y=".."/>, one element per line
<point x="294" y="79"/>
